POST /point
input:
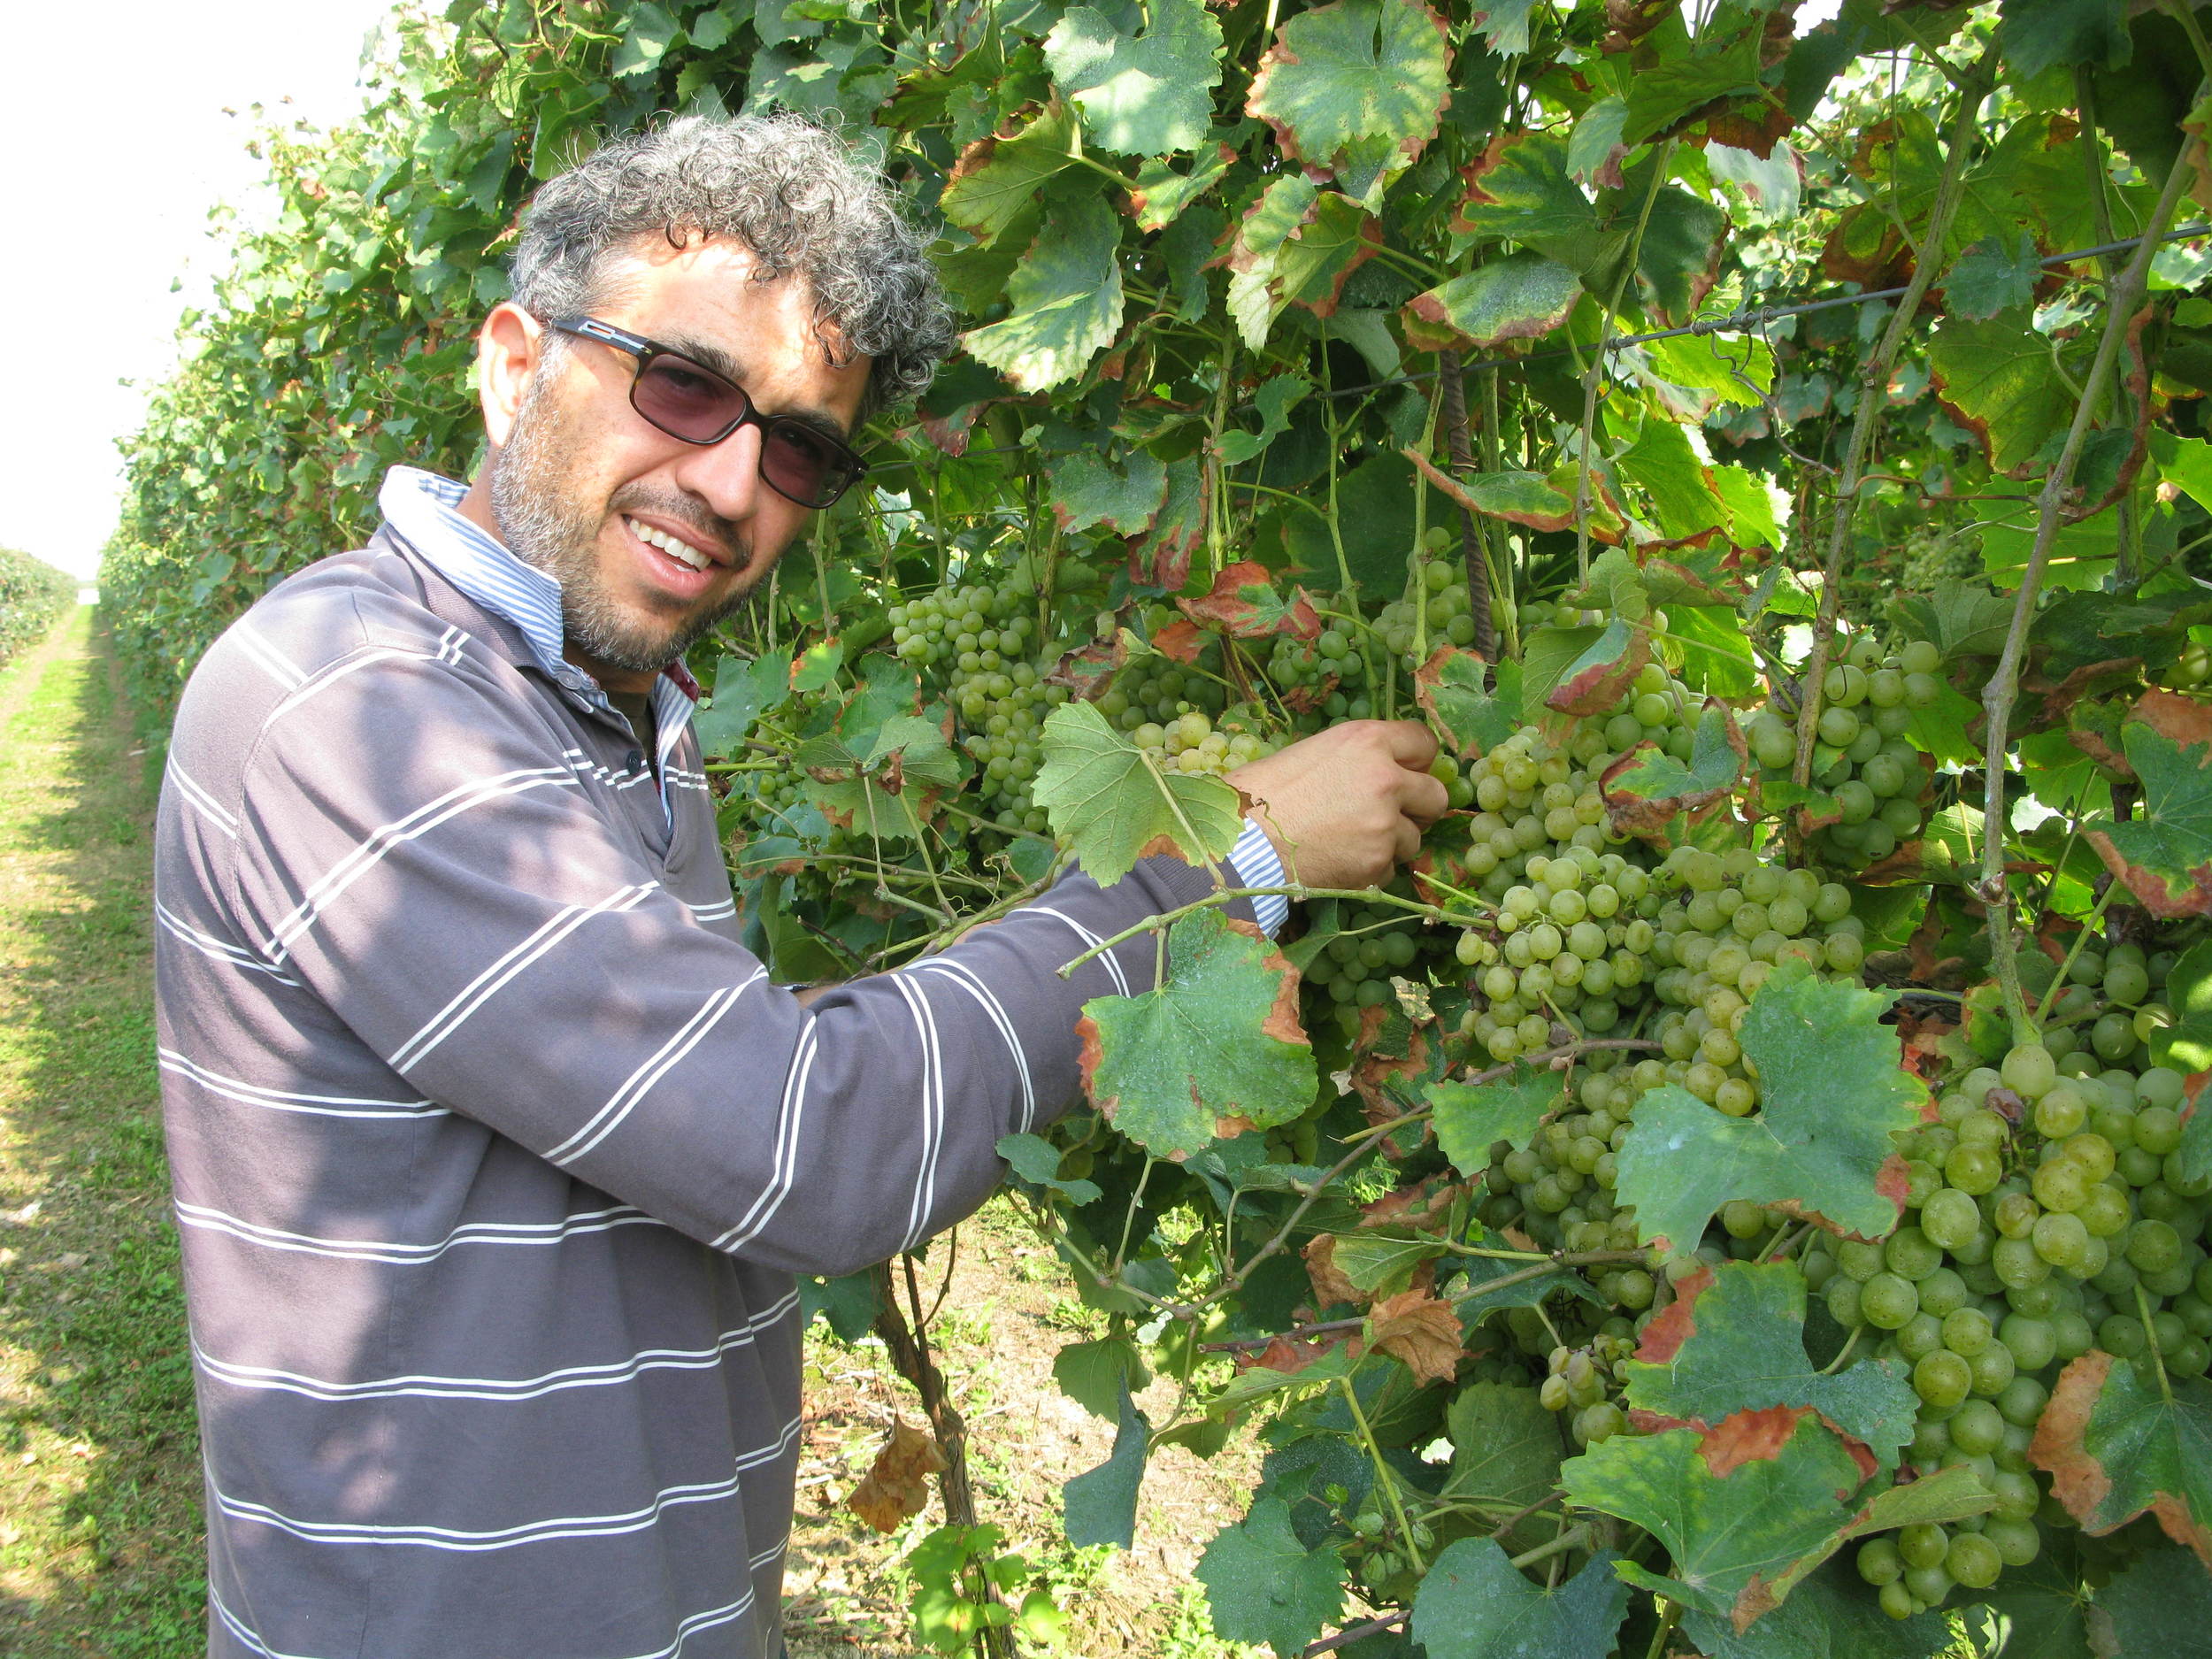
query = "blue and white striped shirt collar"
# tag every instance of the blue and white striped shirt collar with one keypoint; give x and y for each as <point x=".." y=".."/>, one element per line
<point x="425" y="509"/>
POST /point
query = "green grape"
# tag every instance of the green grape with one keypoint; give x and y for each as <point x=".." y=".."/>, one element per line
<point x="1923" y="1544"/>
<point x="1879" y="1562"/>
<point x="1940" y="1378"/>
<point x="1973" y="1561"/>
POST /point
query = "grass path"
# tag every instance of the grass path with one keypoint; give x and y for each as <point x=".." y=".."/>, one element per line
<point x="100" y="1530"/>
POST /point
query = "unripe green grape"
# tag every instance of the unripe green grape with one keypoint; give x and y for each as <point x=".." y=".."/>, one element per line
<point x="1994" y="1369"/>
<point x="1967" y="1332"/>
<point x="2017" y="1264"/>
<point x="1942" y="1293"/>
<point x="1973" y="1561"/>
<point x="1899" y="1602"/>
<point x="2016" y="1542"/>
<point x="1887" y="1300"/>
<point x="2029" y="1071"/>
<point x="1923" y="1544"/>
<point x="1879" y="1562"/>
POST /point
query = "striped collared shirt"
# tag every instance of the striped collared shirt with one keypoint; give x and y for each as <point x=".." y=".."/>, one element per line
<point x="495" y="1152"/>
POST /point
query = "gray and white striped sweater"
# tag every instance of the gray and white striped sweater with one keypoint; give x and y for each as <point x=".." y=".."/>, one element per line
<point x="494" y="1151"/>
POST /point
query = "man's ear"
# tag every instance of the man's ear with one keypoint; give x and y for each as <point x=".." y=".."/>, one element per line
<point x="507" y="349"/>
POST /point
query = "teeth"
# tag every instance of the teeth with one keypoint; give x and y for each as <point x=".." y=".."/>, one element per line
<point x="682" y="552"/>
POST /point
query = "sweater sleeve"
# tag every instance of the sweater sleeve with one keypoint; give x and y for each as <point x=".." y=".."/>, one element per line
<point x="424" y="857"/>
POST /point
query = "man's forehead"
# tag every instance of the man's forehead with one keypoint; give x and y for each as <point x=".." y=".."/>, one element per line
<point x="713" y="298"/>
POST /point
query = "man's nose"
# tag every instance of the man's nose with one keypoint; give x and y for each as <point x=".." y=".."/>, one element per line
<point x="726" y="475"/>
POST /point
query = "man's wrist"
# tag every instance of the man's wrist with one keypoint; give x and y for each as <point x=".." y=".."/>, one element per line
<point x="1258" y="864"/>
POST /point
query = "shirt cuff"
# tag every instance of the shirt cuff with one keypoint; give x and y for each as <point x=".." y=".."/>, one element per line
<point x="1258" y="864"/>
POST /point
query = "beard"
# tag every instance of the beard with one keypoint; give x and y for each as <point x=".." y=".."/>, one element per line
<point x="547" y="522"/>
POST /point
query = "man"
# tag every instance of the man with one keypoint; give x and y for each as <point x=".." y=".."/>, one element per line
<point x="494" y="1151"/>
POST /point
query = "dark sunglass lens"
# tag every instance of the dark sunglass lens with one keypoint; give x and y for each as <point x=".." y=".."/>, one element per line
<point x="685" y="400"/>
<point x="801" y="465"/>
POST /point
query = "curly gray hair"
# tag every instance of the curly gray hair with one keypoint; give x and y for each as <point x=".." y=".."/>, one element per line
<point x="789" y="191"/>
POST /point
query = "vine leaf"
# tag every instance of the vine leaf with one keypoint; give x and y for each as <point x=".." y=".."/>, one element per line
<point x="2165" y="855"/>
<point x="1420" y="1329"/>
<point x="1161" y="194"/>
<point x="1037" y="1161"/>
<point x="1099" y="1506"/>
<point x="997" y="177"/>
<point x="1830" y="1616"/>
<point x="2047" y="1604"/>
<point x="1728" y="1534"/>
<point x="1519" y="297"/>
<point x="2195" y="1149"/>
<point x="1519" y="190"/>
<point x="1296" y="243"/>
<point x="1529" y="498"/>
<point x="1833" y="1094"/>
<point x="1960" y="619"/>
<point x="1734" y="1340"/>
<point x="1247" y="601"/>
<point x="1088" y="489"/>
<point x="1582" y="670"/>
<point x="1264" y="1586"/>
<point x="1995" y="379"/>
<point x="743" y="691"/>
<point x="1505" y="1446"/>
<point x="2160" y="1603"/>
<point x="1277" y="396"/>
<point x="1990" y="276"/>
<point x="1470" y="717"/>
<point x="1112" y="806"/>
<point x="1215" y="1050"/>
<point x="1143" y="94"/>
<point x="2037" y="34"/>
<point x="1471" y="1117"/>
<point x="1356" y="88"/>
<point x="1475" y="1604"/>
<point x="1375" y="1263"/>
<point x="1066" y="296"/>
<point x="2114" y="1449"/>
<point x="1646" y="788"/>
<point x="895" y="1487"/>
<point x="1161" y="558"/>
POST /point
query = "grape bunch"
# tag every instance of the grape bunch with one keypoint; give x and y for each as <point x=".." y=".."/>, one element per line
<point x="2048" y="1214"/>
<point x="1190" y="742"/>
<point x="1935" y="557"/>
<point x="1862" y="759"/>
<point x="1442" y="597"/>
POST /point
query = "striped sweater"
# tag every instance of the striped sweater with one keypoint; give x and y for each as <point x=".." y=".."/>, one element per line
<point x="495" y="1152"/>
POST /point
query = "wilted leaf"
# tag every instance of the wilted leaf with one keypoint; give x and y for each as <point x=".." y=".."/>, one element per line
<point x="1113" y="806"/>
<point x="1421" y="1329"/>
<point x="2115" y="1448"/>
<point x="896" y="1486"/>
<point x="1475" y="1604"/>
<point x="1997" y="379"/>
<point x="1379" y="1263"/>
<point x="1161" y="194"/>
<point x="998" y="176"/>
<point x="1582" y="671"/>
<point x="1142" y="95"/>
<point x="1100" y="1505"/>
<point x="1832" y="1094"/>
<point x="1519" y="190"/>
<point x="1296" y="244"/>
<point x="1647" y="788"/>
<point x="1161" y="558"/>
<point x="1217" y="1042"/>
<point x="1088" y="489"/>
<point x="1734" y="1340"/>
<point x="1262" y="1585"/>
<point x="1355" y="88"/>
<point x="1251" y="603"/>
<point x="1469" y="715"/>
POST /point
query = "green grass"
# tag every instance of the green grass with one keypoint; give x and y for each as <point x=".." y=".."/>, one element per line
<point x="101" y="1544"/>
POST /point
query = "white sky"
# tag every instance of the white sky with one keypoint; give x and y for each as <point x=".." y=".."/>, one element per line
<point x="104" y="197"/>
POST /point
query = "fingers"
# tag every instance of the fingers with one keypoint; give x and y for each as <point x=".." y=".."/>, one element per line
<point x="1423" y="799"/>
<point x="1408" y="839"/>
<point x="1411" y="743"/>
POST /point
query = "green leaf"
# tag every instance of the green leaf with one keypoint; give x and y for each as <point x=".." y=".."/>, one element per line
<point x="1374" y="504"/>
<point x="2186" y="1045"/>
<point x="1100" y="1505"/>
<point x="998" y="176"/>
<point x="848" y="1302"/>
<point x="1383" y="1263"/>
<point x="1582" y="670"/>
<point x="1505" y="26"/>
<point x="1997" y="379"/>
<point x="1037" y="1161"/>
<point x="1088" y="489"/>
<point x="1662" y="464"/>
<point x="1066" y="296"/>
<point x="1596" y="139"/>
<point x="1832" y="1095"/>
<point x="1469" y="715"/>
<point x="743" y="691"/>
<point x="2043" y="1609"/>
<point x="1142" y="95"/>
<point x="1277" y="396"/>
<point x="1506" y="1447"/>
<point x="1112" y="807"/>
<point x="1724" y="61"/>
<point x="1471" y="1117"/>
<point x="1264" y="1586"/>
<point x="1521" y="190"/>
<point x="2159" y="1605"/>
<point x="1990" y="276"/>
<point x="2040" y="35"/>
<point x="1962" y="618"/>
<point x="2164" y="855"/>
<point x="1219" y="1040"/>
<point x="1100" y="1375"/>
<point x="1830" y="1616"/>
<point x="1161" y="194"/>
<point x="2117" y="1447"/>
<point x="1472" y="1295"/>
<point x="1678" y="259"/>
<point x="1294" y="244"/>
<point x="1727" y="1533"/>
<point x="711" y="29"/>
<point x="817" y="667"/>
<point x="1646" y="786"/>
<point x="1735" y="370"/>
<point x="644" y="40"/>
<point x="1519" y="297"/>
<point x="1355" y="88"/>
<point x="1738" y="1344"/>
<point x="1475" y="1604"/>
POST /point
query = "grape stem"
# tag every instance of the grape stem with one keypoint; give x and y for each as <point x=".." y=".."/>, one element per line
<point x="2150" y="1333"/>
<point x="1382" y="1474"/>
<point x="2088" y="928"/>
<point x="1843" y="1353"/>
<point x="1295" y="891"/>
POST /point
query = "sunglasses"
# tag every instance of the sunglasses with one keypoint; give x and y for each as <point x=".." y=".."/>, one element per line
<point x="688" y="400"/>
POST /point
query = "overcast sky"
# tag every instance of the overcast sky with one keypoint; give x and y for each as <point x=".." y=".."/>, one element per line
<point x="112" y="169"/>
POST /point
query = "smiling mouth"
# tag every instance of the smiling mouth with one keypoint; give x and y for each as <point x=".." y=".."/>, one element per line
<point x="675" y="547"/>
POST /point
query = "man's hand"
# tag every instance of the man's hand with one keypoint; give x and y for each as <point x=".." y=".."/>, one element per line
<point x="1346" y="806"/>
